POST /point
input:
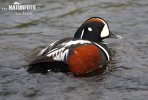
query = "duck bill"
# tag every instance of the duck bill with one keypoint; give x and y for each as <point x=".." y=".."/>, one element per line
<point x="112" y="35"/>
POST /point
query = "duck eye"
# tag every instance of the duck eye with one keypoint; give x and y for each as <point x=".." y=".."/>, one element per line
<point x="89" y="29"/>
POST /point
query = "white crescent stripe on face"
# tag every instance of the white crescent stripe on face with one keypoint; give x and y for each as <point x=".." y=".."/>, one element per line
<point x="105" y="30"/>
<point x="82" y="34"/>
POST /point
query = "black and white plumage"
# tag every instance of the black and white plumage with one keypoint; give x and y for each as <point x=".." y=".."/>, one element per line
<point x="54" y="56"/>
<point x="82" y="54"/>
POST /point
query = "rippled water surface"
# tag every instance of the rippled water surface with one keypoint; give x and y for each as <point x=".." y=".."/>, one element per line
<point x="21" y="35"/>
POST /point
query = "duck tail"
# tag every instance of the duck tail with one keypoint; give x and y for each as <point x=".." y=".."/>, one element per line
<point x="44" y="67"/>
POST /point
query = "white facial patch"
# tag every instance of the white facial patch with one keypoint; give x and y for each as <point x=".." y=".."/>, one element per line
<point x="89" y="29"/>
<point x="105" y="30"/>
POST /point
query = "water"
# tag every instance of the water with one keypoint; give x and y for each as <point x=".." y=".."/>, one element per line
<point x="21" y="35"/>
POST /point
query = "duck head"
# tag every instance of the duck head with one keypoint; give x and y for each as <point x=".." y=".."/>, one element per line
<point x="94" y="29"/>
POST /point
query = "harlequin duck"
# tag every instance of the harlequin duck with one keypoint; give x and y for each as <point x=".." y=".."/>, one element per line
<point x="95" y="29"/>
<point x="81" y="55"/>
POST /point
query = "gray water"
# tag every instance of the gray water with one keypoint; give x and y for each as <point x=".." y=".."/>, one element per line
<point x="23" y="35"/>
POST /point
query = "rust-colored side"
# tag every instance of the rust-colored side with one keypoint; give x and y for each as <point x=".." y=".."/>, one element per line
<point x="84" y="59"/>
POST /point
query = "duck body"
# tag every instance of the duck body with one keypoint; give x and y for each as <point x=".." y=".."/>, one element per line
<point x="83" y="54"/>
<point x="70" y="55"/>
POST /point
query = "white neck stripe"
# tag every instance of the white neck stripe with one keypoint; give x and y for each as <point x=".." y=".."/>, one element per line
<point x="82" y="34"/>
<point x="103" y="50"/>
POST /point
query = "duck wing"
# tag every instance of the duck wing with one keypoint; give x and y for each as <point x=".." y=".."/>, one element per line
<point x="51" y="58"/>
<point x="54" y="56"/>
